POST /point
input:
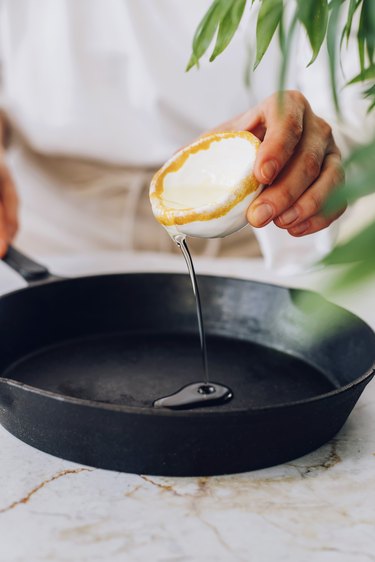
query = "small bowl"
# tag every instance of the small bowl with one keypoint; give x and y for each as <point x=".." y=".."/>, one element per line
<point x="205" y="189"/>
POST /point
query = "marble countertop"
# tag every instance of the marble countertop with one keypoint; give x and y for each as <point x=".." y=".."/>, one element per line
<point x="319" y="508"/>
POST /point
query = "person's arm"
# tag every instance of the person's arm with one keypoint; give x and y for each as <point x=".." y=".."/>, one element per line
<point x="298" y="161"/>
<point x="8" y="196"/>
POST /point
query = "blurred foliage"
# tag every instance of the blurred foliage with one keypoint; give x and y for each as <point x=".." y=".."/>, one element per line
<point x="324" y="21"/>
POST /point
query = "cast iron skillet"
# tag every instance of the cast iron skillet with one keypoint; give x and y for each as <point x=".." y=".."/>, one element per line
<point x="83" y="359"/>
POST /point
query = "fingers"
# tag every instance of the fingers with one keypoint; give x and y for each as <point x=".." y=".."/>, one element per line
<point x="298" y="175"/>
<point x="314" y="224"/>
<point x="301" y="171"/>
<point x="283" y="130"/>
<point x="8" y="210"/>
<point x="4" y="239"/>
<point x="10" y="202"/>
<point x="306" y="216"/>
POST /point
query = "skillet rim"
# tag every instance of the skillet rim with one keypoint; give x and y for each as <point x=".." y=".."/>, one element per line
<point x="195" y="412"/>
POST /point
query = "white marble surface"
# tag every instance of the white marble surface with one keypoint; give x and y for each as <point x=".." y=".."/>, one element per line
<point x="320" y="507"/>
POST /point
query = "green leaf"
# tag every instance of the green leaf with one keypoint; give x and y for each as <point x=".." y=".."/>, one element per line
<point x="353" y="5"/>
<point x="333" y="20"/>
<point x="356" y="274"/>
<point x="247" y="70"/>
<point x="361" y="37"/>
<point x="313" y="14"/>
<point x="370" y="93"/>
<point x="287" y="43"/>
<point x="228" y="26"/>
<point x="367" y="74"/>
<point x="281" y="35"/>
<point x="269" y="17"/>
<point x="370" y="28"/>
<point x="360" y="187"/>
<point x="363" y="156"/>
<point x="362" y="181"/>
<point x="360" y="247"/>
<point x="206" y="30"/>
<point x="370" y="35"/>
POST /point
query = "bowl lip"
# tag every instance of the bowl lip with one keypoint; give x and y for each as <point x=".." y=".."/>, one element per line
<point x="196" y="413"/>
<point x="172" y="216"/>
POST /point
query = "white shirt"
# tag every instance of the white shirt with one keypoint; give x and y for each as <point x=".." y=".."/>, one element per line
<point x="106" y="79"/>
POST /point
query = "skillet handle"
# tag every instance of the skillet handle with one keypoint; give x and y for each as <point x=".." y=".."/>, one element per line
<point x="30" y="270"/>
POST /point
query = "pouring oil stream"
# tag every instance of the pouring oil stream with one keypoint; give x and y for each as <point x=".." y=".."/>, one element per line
<point x="203" y="393"/>
<point x="180" y="240"/>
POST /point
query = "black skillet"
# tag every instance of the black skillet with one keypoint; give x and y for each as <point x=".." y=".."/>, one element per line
<point x="82" y="361"/>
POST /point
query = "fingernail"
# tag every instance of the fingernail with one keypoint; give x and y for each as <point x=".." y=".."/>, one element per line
<point x="269" y="170"/>
<point x="261" y="214"/>
<point x="289" y="216"/>
<point x="300" y="228"/>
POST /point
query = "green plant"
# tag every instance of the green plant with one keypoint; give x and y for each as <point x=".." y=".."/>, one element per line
<point x="321" y="21"/>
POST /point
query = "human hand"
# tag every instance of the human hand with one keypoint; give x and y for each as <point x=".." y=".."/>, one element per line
<point x="8" y="208"/>
<point x="298" y="161"/>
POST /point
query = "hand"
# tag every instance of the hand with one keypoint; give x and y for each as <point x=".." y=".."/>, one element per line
<point x="8" y="208"/>
<point x="298" y="161"/>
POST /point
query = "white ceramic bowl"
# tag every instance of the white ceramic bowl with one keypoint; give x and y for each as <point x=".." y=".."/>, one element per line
<point x="205" y="189"/>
